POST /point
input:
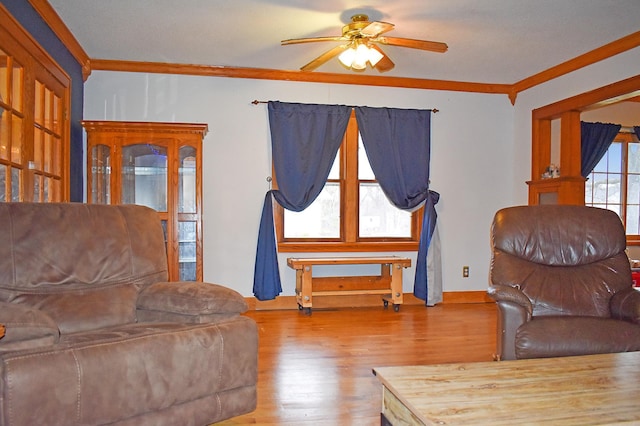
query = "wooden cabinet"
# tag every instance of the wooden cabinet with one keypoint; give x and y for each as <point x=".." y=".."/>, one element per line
<point x="158" y="165"/>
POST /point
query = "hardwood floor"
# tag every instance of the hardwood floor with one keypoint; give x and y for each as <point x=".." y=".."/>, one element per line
<point x="316" y="370"/>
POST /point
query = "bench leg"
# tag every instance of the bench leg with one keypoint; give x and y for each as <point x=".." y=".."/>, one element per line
<point x="304" y="288"/>
<point x="396" y="286"/>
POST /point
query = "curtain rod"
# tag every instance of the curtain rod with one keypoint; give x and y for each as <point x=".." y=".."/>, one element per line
<point x="256" y="102"/>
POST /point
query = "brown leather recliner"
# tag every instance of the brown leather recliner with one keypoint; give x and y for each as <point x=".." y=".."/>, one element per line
<point x="95" y="334"/>
<point x="562" y="283"/>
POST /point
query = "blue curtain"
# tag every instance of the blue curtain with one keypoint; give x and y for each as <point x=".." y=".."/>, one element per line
<point x="305" y="139"/>
<point x="594" y="142"/>
<point x="398" y="146"/>
<point x="637" y="130"/>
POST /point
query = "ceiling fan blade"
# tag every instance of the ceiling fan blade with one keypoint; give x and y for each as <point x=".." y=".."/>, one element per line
<point x="312" y="40"/>
<point x="376" y="28"/>
<point x="432" y="46"/>
<point x="326" y="56"/>
<point x="385" y="64"/>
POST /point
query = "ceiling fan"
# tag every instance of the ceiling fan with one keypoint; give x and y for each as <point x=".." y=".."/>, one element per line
<point x="360" y="45"/>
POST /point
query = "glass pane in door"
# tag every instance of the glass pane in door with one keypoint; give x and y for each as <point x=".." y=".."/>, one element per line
<point x="15" y="185"/>
<point x="144" y="176"/>
<point x="3" y="183"/>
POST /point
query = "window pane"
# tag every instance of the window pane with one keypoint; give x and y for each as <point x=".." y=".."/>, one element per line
<point x="613" y="188"/>
<point x="633" y="158"/>
<point x="334" y="173"/>
<point x="615" y="158"/>
<point x="378" y="217"/>
<point x="633" y="219"/>
<point x="601" y="167"/>
<point x="320" y="220"/>
<point x="633" y="189"/>
<point x="364" y="168"/>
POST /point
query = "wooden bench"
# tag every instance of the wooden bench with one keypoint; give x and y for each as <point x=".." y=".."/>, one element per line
<point x="388" y="283"/>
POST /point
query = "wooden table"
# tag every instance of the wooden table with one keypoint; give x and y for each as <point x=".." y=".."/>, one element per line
<point x="389" y="282"/>
<point x="586" y="390"/>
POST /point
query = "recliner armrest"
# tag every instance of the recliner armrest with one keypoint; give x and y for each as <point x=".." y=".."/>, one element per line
<point x="187" y="301"/>
<point x="503" y="293"/>
<point x="625" y="305"/>
<point x="514" y="309"/>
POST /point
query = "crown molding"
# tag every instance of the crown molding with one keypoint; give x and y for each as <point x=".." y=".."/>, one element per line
<point x="599" y="54"/>
<point x="304" y="76"/>
<point x="53" y="20"/>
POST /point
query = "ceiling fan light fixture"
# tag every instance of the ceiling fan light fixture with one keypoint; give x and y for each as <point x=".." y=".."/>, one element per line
<point x="356" y="57"/>
<point x="361" y="57"/>
<point x="347" y="57"/>
<point x="374" y="57"/>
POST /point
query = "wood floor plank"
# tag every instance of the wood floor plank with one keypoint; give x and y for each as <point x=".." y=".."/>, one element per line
<point x="317" y="369"/>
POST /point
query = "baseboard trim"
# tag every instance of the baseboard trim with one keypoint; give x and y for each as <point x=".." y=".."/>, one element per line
<point x="364" y="300"/>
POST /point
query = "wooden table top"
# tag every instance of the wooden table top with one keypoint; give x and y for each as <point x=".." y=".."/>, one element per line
<point x="585" y="390"/>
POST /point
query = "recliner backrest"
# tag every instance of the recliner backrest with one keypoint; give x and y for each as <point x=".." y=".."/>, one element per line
<point x="568" y="260"/>
<point x="82" y="264"/>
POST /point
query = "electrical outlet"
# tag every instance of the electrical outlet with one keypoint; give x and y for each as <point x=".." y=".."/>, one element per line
<point x="465" y="272"/>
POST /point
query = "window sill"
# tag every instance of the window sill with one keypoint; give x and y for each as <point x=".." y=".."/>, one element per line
<point x="329" y="247"/>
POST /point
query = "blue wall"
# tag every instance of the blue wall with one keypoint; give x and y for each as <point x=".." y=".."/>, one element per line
<point x="40" y="31"/>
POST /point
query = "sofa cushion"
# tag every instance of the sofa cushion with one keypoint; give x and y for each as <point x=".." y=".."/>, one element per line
<point x="191" y="298"/>
<point x="106" y="376"/>
<point x="552" y="336"/>
<point x="26" y="328"/>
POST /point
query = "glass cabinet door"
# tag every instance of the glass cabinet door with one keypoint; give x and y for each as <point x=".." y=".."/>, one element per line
<point x="144" y="176"/>
<point x="187" y="229"/>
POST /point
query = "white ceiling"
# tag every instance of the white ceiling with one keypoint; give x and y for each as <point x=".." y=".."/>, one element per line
<point x="490" y="41"/>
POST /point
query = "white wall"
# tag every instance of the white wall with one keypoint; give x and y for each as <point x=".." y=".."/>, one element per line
<point x="475" y="165"/>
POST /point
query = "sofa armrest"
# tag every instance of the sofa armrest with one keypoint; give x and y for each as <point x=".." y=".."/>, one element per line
<point x="26" y="328"/>
<point x="625" y="305"/>
<point x="188" y="301"/>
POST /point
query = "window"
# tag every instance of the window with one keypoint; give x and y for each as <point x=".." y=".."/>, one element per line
<point x="614" y="183"/>
<point x="351" y="213"/>
<point x="34" y="131"/>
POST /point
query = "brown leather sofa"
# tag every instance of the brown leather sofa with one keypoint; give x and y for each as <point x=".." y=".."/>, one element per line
<point x="96" y="335"/>
<point x="562" y="283"/>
